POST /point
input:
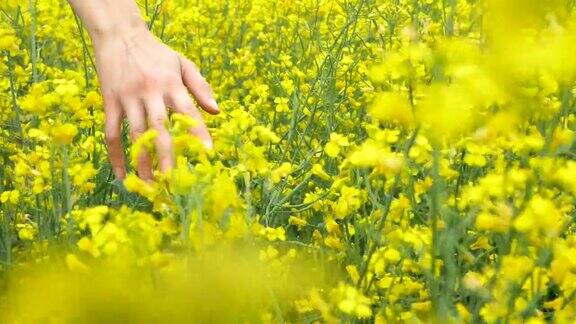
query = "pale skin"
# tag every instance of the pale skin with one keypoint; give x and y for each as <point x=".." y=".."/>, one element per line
<point x="139" y="78"/>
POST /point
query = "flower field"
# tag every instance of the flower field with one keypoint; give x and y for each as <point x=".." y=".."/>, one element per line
<point x="375" y="161"/>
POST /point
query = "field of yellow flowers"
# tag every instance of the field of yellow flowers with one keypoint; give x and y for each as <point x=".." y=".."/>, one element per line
<point x="376" y="160"/>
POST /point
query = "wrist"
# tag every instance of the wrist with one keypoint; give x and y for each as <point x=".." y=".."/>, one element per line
<point x="128" y="27"/>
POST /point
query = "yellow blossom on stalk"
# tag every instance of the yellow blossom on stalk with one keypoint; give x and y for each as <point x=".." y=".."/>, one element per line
<point x="319" y="171"/>
<point x="392" y="107"/>
<point x="264" y="134"/>
<point x="183" y="122"/>
<point x="371" y="154"/>
<point x="497" y="223"/>
<point x="82" y="176"/>
<point x="446" y="112"/>
<point x="254" y="159"/>
<point x="274" y="234"/>
<point x="270" y="253"/>
<point x="563" y="264"/>
<point x="352" y="302"/>
<point x="540" y="215"/>
<point x="475" y="155"/>
<point x="281" y="104"/>
<point x="91" y="218"/>
<point x="143" y="143"/>
<point x="134" y="184"/>
<point x="335" y="144"/>
<point x="75" y="264"/>
<point x="222" y="197"/>
<point x="392" y="255"/>
<point x="562" y="138"/>
<point x="181" y="179"/>
<point x="515" y="268"/>
<point x="10" y="196"/>
<point x="8" y="40"/>
<point x="281" y="172"/>
<point x="64" y="134"/>
<point x="92" y="99"/>
<point x="334" y="242"/>
<point x="463" y="312"/>
<point x="348" y="202"/>
<point x="38" y="134"/>
<point x="303" y="306"/>
<point x="331" y="225"/>
<point x="481" y="242"/>
<point x="424" y="306"/>
<point x="288" y="86"/>
<point x="26" y="232"/>
<point x="353" y="272"/>
<point x="388" y="136"/>
<point x="86" y="244"/>
<point x="299" y="222"/>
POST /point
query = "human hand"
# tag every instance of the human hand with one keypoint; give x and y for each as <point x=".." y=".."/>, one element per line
<point x="140" y="78"/>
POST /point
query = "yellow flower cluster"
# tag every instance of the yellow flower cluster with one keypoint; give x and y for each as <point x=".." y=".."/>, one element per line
<point x="385" y="161"/>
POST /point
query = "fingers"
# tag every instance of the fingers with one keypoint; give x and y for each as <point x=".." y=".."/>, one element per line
<point x="157" y="117"/>
<point x="137" y="122"/>
<point x="113" y="133"/>
<point x="183" y="104"/>
<point x="143" y="110"/>
<point x="196" y="83"/>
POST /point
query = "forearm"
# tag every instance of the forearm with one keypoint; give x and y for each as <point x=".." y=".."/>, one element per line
<point x="108" y="17"/>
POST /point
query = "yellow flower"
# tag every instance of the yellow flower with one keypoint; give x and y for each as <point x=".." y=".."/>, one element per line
<point x="11" y="196"/>
<point x="299" y="222"/>
<point x="82" y="174"/>
<point x="353" y="272"/>
<point x="270" y="253"/>
<point x="540" y="215"/>
<point x="515" y="268"/>
<point x="86" y="244"/>
<point x="274" y="234"/>
<point x="392" y="255"/>
<point x="463" y="312"/>
<point x="333" y="242"/>
<point x="264" y="134"/>
<point x="348" y="202"/>
<point x="26" y="232"/>
<point x="353" y="302"/>
<point x="142" y="144"/>
<point x="371" y="154"/>
<point x="134" y="184"/>
<point x="181" y="179"/>
<point x="488" y="222"/>
<point x="64" y="134"/>
<point x="75" y="264"/>
<point x="424" y="306"/>
<point x="281" y="104"/>
<point x="319" y="171"/>
<point x="335" y="144"/>
<point x="281" y="172"/>
<point x="446" y="112"/>
<point x="392" y="107"/>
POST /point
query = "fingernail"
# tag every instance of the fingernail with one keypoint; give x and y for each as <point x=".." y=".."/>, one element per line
<point x="214" y="104"/>
<point x="208" y="144"/>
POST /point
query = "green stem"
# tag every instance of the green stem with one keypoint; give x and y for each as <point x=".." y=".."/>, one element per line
<point x="67" y="208"/>
<point x="435" y="215"/>
<point x="33" y="48"/>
